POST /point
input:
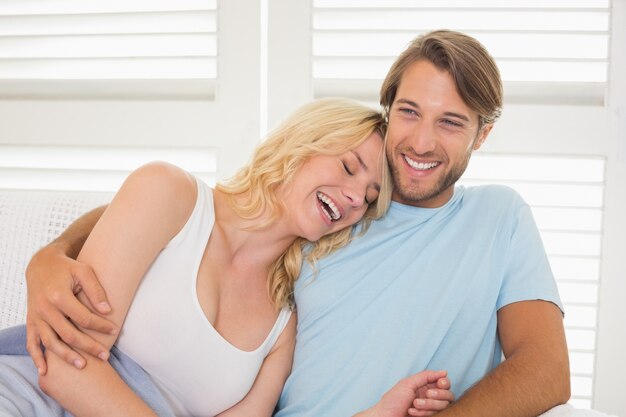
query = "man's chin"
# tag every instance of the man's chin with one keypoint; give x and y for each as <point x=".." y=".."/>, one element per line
<point x="414" y="197"/>
<point x="422" y="196"/>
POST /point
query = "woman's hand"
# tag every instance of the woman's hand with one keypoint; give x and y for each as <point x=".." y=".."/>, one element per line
<point x="421" y="394"/>
<point x="53" y="280"/>
<point x="432" y="397"/>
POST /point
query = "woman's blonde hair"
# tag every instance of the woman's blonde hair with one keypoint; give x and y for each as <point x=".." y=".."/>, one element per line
<point x="330" y="126"/>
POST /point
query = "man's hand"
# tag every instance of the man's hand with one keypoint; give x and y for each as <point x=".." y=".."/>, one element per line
<point x="421" y="394"/>
<point x="432" y="397"/>
<point x="53" y="281"/>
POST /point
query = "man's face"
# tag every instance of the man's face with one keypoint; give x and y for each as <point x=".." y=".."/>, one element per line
<point x="431" y="136"/>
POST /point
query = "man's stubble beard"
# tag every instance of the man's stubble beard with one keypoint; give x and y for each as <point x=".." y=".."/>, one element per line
<point x="415" y="195"/>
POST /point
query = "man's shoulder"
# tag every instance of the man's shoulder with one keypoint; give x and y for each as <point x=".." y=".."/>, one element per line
<point x="492" y="193"/>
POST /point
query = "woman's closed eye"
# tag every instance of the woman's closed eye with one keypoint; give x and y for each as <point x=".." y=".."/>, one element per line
<point x="347" y="168"/>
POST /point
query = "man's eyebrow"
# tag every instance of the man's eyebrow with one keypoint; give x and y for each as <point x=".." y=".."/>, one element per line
<point x="407" y="101"/>
<point x="457" y="115"/>
<point x="365" y="167"/>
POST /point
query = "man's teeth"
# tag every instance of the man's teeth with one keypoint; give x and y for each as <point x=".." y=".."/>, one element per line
<point x="329" y="207"/>
<point x="422" y="166"/>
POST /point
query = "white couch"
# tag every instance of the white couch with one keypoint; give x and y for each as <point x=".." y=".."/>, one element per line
<point x="29" y="220"/>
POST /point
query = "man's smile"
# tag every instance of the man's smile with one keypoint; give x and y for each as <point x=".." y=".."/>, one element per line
<point x="420" y="166"/>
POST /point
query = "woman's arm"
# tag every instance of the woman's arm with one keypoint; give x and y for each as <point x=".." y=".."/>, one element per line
<point x="264" y="394"/>
<point x="151" y="207"/>
<point x="105" y="394"/>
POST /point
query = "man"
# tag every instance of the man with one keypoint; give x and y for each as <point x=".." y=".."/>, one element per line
<point x="451" y="278"/>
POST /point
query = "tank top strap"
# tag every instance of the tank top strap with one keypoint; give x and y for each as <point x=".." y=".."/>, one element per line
<point x="279" y="326"/>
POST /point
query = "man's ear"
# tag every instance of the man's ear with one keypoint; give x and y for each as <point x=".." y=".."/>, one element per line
<point x="482" y="136"/>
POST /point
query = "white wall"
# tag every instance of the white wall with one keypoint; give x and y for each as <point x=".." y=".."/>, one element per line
<point x="611" y="364"/>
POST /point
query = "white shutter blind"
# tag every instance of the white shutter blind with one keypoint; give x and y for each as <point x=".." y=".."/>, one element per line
<point x="73" y="168"/>
<point x="566" y="197"/>
<point x="547" y="51"/>
<point x="108" y="48"/>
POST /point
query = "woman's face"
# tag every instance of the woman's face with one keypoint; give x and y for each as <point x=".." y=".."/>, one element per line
<point x="329" y="193"/>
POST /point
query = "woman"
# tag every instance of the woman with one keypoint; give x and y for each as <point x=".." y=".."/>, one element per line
<point x="200" y="281"/>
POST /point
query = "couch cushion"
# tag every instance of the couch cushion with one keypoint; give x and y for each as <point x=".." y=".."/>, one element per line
<point x="28" y="221"/>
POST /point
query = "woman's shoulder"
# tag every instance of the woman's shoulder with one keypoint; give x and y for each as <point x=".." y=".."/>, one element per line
<point x="166" y="180"/>
<point x="161" y="190"/>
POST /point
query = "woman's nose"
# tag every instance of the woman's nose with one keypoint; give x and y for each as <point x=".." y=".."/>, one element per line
<point x="355" y="194"/>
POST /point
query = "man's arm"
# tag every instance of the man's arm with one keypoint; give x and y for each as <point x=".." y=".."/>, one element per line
<point x="53" y="278"/>
<point x="535" y="375"/>
<point x="71" y="241"/>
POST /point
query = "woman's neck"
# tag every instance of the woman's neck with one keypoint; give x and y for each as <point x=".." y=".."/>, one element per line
<point x="247" y="244"/>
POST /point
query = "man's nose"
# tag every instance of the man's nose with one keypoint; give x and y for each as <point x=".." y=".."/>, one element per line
<point x="423" y="138"/>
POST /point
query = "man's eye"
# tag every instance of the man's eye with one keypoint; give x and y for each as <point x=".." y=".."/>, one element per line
<point x="410" y="112"/>
<point x="452" y="123"/>
<point x="345" y="167"/>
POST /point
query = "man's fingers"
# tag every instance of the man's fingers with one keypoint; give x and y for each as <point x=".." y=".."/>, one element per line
<point x="33" y="346"/>
<point x="86" y="279"/>
<point x="75" y="339"/>
<point x="67" y="336"/>
<point x="440" y="394"/>
<point x="52" y="343"/>
<point x="443" y="383"/>
<point x="421" y="379"/>
<point x="428" y="405"/>
<point x="421" y="413"/>
<point x="82" y="316"/>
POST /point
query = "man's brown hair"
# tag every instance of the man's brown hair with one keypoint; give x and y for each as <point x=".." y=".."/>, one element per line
<point x="473" y="69"/>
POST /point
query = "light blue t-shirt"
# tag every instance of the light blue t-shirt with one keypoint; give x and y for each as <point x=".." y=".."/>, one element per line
<point x="419" y="291"/>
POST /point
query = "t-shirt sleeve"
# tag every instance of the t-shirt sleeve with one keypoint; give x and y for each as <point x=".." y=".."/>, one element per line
<point x="527" y="274"/>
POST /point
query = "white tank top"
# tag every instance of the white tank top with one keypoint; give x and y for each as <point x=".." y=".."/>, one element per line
<point x="167" y="333"/>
